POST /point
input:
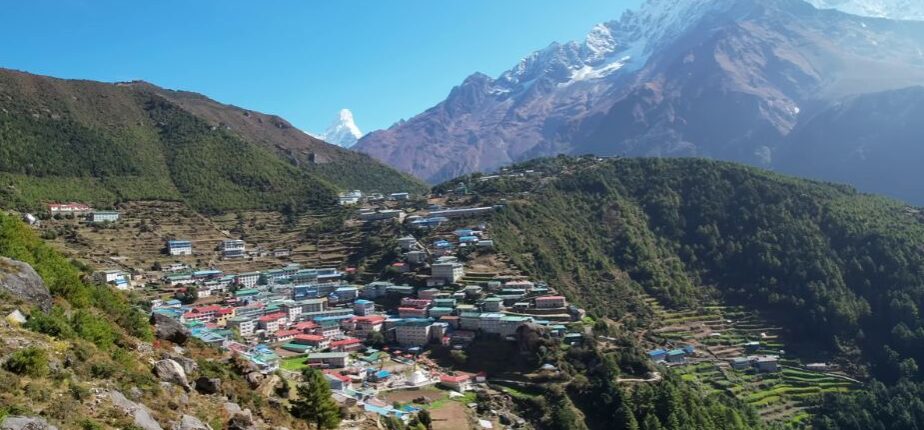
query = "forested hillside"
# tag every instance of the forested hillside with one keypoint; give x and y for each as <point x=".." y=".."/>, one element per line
<point x="104" y="143"/>
<point x="841" y="269"/>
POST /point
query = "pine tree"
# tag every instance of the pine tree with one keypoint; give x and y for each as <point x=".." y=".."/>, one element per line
<point x="314" y="402"/>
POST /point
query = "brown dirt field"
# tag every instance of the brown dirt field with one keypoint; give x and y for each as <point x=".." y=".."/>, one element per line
<point x="451" y="416"/>
<point x="405" y="396"/>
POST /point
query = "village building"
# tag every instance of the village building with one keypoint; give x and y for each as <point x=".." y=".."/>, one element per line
<point x="766" y="363"/>
<point x="383" y="215"/>
<point x="493" y="304"/>
<point x="272" y="322"/>
<point x="69" y="209"/>
<point x="365" y="325"/>
<point x="337" y="360"/>
<point x="179" y="247"/>
<point x="412" y="312"/>
<point x="550" y="302"/>
<point x="248" y="280"/>
<point x="407" y="243"/>
<point x="245" y="326"/>
<point x="114" y="277"/>
<point x="362" y="307"/>
<point x="459" y="382"/>
<point x="232" y="248"/>
<point x="315" y="341"/>
<point x="99" y="217"/>
<point x="336" y="380"/>
<point x="415" y="257"/>
<point x="413" y="332"/>
<point x="450" y="272"/>
<point x="285" y="335"/>
<point x="349" y="344"/>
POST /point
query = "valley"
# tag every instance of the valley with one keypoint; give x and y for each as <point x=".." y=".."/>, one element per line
<point x="390" y="255"/>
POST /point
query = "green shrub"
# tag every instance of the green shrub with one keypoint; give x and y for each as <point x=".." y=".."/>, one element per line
<point x="30" y="361"/>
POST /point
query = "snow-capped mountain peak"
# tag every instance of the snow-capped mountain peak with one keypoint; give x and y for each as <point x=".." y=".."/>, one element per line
<point x="908" y="10"/>
<point x="343" y="130"/>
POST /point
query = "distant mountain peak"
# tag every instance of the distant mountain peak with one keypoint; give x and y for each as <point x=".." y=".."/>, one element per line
<point x="342" y="131"/>
<point x="909" y="10"/>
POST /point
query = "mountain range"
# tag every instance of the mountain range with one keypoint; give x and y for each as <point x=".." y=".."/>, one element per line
<point x="764" y="82"/>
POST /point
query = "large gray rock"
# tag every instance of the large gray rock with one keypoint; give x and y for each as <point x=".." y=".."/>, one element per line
<point x="208" y="385"/>
<point x="25" y="423"/>
<point x="169" y="329"/>
<point x="189" y="422"/>
<point x="254" y="379"/>
<point x="189" y="365"/>
<point x="21" y="280"/>
<point x="140" y="413"/>
<point x="170" y="371"/>
<point x="241" y="422"/>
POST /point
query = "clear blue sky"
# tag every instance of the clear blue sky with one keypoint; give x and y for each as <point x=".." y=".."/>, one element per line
<point x="301" y="59"/>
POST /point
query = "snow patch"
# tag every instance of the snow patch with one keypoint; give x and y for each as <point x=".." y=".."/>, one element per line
<point x="342" y="131"/>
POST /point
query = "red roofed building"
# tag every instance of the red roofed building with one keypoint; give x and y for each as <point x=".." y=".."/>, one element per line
<point x="550" y="302"/>
<point x="459" y="382"/>
<point x="318" y="342"/>
<point x="406" y="312"/>
<point x="367" y="324"/>
<point x="286" y="335"/>
<point x="409" y="302"/>
<point x="337" y="380"/>
<point x="272" y="322"/>
<point x="69" y="209"/>
<point x="349" y="344"/>
<point x="307" y="327"/>
<point x="193" y="316"/>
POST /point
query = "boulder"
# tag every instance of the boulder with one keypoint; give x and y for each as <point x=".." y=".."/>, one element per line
<point x="170" y="371"/>
<point x="169" y="329"/>
<point x="16" y="317"/>
<point x="140" y="413"/>
<point x="208" y="385"/>
<point x="25" y="423"/>
<point x="189" y="422"/>
<point x="21" y="280"/>
<point x="189" y="365"/>
<point x="241" y="422"/>
<point x="254" y="379"/>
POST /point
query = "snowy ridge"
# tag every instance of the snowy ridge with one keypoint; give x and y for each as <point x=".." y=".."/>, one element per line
<point x="909" y="10"/>
<point x="342" y="131"/>
<point x="624" y="44"/>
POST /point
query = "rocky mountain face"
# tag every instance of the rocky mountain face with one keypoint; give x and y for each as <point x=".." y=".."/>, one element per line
<point x="343" y="131"/>
<point x="726" y="79"/>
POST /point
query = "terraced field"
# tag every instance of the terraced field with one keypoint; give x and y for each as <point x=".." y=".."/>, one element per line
<point x="719" y="333"/>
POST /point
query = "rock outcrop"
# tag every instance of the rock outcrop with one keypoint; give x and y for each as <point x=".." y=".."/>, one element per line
<point x="189" y="422"/>
<point x="208" y="385"/>
<point x="169" y="329"/>
<point x="170" y="371"/>
<point x="25" y="423"/>
<point x="22" y="281"/>
<point x="141" y="415"/>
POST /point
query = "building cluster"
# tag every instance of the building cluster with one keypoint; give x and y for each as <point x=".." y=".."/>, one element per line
<point x="74" y="209"/>
<point x="760" y="363"/>
<point x="314" y="312"/>
<point x="355" y="197"/>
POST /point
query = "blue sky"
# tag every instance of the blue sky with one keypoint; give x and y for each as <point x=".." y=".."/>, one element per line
<point x="301" y="59"/>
